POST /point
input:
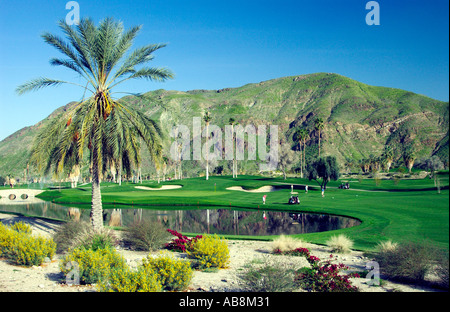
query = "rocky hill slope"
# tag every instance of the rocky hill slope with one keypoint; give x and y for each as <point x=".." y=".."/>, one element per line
<point x="359" y="119"/>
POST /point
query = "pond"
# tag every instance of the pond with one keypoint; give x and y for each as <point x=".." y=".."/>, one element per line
<point x="199" y="220"/>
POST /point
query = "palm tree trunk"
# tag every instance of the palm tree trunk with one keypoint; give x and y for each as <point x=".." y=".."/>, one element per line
<point x="207" y="152"/>
<point x="304" y="154"/>
<point x="319" y="143"/>
<point x="301" y="159"/>
<point x="97" y="209"/>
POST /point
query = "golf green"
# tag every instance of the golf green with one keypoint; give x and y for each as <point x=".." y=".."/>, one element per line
<point x="405" y="210"/>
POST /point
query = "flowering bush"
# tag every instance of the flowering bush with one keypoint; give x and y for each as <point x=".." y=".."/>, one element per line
<point x="125" y="279"/>
<point x="210" y="251"/>
<point x="174" y="274"/>
<point x="321" y="276"/>
<point x="93" y="265"/>
<point x="326" y="278"/>
<point x="18" y="245"/>
<point x="181" y="242"/>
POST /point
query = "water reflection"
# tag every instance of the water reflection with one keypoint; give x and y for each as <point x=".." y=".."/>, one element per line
<point x="220" y="221"/>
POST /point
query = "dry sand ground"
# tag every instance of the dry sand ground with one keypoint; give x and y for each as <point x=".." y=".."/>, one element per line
<point x="47" y="277"/>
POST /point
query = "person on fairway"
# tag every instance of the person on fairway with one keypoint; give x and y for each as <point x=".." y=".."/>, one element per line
<point x="264" y="199"/>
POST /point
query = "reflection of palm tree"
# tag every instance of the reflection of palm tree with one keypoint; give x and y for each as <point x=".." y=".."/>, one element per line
<point x="109" y="129"/>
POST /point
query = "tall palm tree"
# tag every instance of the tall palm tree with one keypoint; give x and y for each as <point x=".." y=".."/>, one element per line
<point x="318" y="124"/>
<point x="207" y="119"/>
<point x="108" y="128"/>
<point x="302" y="135"/>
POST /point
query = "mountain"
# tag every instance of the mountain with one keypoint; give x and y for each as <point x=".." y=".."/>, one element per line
<point x="359" y="119"/>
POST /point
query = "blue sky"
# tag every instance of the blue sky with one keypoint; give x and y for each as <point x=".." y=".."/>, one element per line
<point x="217" y="44"/>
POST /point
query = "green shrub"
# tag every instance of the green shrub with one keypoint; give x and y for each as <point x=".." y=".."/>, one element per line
<point x="92" y="265"/>
<point x="124" y="279"/>
<point x="18" y="245"/>
<point x="90" y="239"/>
<point x="146" y="236"/>
<point x="210" y="251"/>
<point x="409" y="261"/>
<point x="268" y="277"/>
<point x="174" y="274"/>
<point x="67" y="233"/>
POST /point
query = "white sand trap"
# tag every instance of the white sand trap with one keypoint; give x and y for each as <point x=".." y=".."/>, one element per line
<point x="262" y="189"/>
<point x="163" y="187"/>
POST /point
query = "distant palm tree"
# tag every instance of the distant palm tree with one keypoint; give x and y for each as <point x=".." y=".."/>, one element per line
<point x="302" y="134"/>
<point x="388" y="157"/>
<point x="207" y="119"/>
<point x="109" y="129"/>
<point x="232" y="121"/>
<point x="318" y="124"/>
<point x="409" y="157"/>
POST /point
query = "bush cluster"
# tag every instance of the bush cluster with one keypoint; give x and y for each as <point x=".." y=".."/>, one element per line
<point x="97" y="262"/>
<point x="22" y="248"/>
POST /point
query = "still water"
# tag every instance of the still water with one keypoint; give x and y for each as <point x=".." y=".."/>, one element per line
<point x="200" y="220"/>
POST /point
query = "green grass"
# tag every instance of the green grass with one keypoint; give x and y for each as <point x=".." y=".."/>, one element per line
<point x="411" y="210"/>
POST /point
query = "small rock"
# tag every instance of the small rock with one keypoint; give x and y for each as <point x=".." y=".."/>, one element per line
<point x="47" y="260"/>
<point x="41" y="286"/>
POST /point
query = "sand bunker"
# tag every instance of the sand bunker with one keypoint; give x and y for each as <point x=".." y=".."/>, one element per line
<point x="163" y="187"/>
<point x="262" y="189"/>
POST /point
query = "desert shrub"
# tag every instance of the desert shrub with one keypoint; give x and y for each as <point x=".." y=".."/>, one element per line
<point x="340" y="243"/>
<point x="410" y="261"/>
<point x="124" y="279"/>
<point x="386" y="246"/>
<point x="174" y="274"/>
<point x="210" y="251"/>
<point x="18" y="245"/>
<point x="67" y="233"/>
<point x="90" y="239"/>
<point x="92" y="265"/>
<point x="442" y="269"/>
<point x="146" y="235"/>
<point x="180" y="242"/>
<point x="269" y="277"/>
<point x="286" y="243"/>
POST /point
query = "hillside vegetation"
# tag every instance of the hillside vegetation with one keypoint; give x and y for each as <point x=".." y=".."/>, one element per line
<point x="359" y="120"/>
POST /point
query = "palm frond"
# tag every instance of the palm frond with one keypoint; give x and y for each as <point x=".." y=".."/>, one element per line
<point x="37" y="84"/>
